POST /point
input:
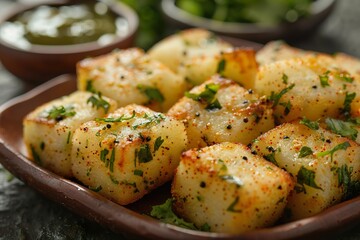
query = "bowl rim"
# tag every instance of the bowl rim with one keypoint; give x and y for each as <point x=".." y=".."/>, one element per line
<point x="117" y="7"/>
<point x="170" y="9"/>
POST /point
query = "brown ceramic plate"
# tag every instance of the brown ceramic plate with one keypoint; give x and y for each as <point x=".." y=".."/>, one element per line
<point x="132" y="219"/>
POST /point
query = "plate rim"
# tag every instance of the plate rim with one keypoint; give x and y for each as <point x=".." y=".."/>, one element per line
<point x="77" y="197"/>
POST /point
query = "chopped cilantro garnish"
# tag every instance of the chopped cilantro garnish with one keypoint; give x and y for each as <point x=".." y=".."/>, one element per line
<point x="165" y="214"/>
<point x="314" y="125"/>
<point x="97" y="101"/>
<point x="103" y="154"/>
<point x="158" y="142"/>
<point x="42" y="145"/>
<point x="350" y="188"/>
<point x="60" y="113"/>
<point x="275" y="97"/>
<point x="214" y="105"/>
<point x="144" y="154"/>
<point x="152" y="93"/>
<point x="341" y="146"/>
<point x="232" y="206"/>
<point x="207" y="96"/>
<point x="114" y="180"/>
<point x="68" y="137"/>
<point x="112" y="160"/>
<point x="324" y="79"/>
<point x="90" y="87"/>
<point x="271" y="158"/>
<point x="287" y="107"/>
<point x="221" y="67"/>
<point x="345" y="76"/>
<point x="138" y="172"/>
<point x="346" y="110"/>
<point x="345" y="129"/>
<point x="97" y="189"/>
<point x="285" y="78"/>
<point x="305" y="177"/>
<point x="305" y="151"/>
<point x="205" y="228"/>
<point x="223" y="165"/>
<point x="35" y="155"/>
<point x="88" y="171"/>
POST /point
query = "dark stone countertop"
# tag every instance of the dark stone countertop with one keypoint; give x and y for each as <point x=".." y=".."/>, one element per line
<point x="25" y="214"/>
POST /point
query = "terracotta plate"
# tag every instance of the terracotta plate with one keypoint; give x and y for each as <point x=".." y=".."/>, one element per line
<point x="131" y="219"/>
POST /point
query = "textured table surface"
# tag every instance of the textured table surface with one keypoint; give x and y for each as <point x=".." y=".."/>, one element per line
<point x="25" y="214"/>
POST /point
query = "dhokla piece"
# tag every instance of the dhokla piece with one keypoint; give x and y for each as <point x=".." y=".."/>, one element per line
<point x="220" y="110"/>
<point x="128" y="153"/>
<point x="325" y="165"/>
<point x="313" y="87"/>
<point x="197" y="54"/>
<point x="228" y="189"/>
<point x="49" y="128"/>
<point x="279" y="50"/>
<point x="131" y="77"/>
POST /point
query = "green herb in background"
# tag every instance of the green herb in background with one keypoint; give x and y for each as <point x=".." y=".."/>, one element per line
<point x="151" y="22"/>
<point x="265" y="12"/>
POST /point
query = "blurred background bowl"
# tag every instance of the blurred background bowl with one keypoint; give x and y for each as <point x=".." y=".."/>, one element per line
<point x="318" y="12"/>
<point x="39" y="63"/>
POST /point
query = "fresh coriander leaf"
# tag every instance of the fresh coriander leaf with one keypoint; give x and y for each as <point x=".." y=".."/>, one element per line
<point x="90" y="87"/>
<point x="35" y="155"/>
<point x="314" y="125"/>
<point x="223" y="165"/>
<point x="60" y="113"/>
<point x="114" y="180"/>
<point x="221" y="67"/>
<point x="232" y="206"/>
<point x="305" y="151"/>
<point x="306" y="177"/>
<point x="350" y="188"/>
<point x="324" y="79"/>
<point x="165" y="214"/>
<point x="215" y="105"/>
<point x="103" y="154"/>
<point x="112" y="160"/>
<point x="271" y="158"/>
<point x="355" y="121"/>
<point x="144" y="154"/>
<point x="88" y="171"/>
<point x="285" y="78"/>
<point x="158" y="142"/>
<point x="287" y="107"/>
<point x="97" y="189"/>
<point x="346" y="110"/>
<point x="275" y="97"/>
<point x="152" y="93"/>
<point x="342" y="128"/>
<point x="205" y="228"/>
<point x="68" y="138"/>
<point x="97" y="101"/>
<point x="138" y="172"/>
<point x="341" y="146"/>
<point x="207" y="96"/>
<point x="345" y="76"/>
